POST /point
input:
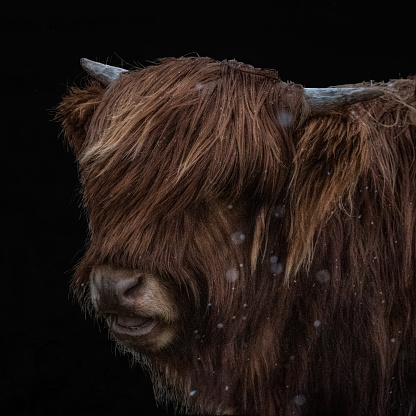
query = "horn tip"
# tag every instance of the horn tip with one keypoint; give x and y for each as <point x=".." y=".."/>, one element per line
<point x="85" y="63"/>
<point x="103" y="73"/>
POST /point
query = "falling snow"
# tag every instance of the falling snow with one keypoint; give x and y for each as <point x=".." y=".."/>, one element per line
<point x="232" y="275"/>
<point x="299" y="400"/>
<point x="273" y="259"/>
<point x="238" y="238"/>
<point x="275" y="266"/>
<point x="285" y="118"/>
<point x="279" y="211"/>
<point x="323" y="276"/>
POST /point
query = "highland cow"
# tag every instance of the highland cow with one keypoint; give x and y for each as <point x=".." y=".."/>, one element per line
<point x="252" y="242"/>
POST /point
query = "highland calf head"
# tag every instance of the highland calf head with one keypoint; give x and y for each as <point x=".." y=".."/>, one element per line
<point x="252" y="242"/>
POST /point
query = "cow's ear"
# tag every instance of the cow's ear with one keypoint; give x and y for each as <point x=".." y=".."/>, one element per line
<point x="332" y="153"/>
<point x="75" y="113"/>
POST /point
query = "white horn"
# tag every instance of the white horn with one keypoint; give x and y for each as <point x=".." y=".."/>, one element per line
<point x="327" y="99"/>
<point x="105" y="74"/>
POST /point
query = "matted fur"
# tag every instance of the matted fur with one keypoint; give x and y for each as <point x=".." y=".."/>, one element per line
<point x="182" y="159"/>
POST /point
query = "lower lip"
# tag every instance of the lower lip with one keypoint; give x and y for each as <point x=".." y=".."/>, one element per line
<point x="136" y="331"/>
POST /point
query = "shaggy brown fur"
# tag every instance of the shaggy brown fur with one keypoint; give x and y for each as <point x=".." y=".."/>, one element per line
<point x="319" y="316"/>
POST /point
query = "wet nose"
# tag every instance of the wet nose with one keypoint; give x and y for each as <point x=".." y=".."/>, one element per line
<point x="110" y="288"/>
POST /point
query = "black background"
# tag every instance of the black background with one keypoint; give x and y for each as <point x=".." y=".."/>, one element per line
<point x="53" y="361"/>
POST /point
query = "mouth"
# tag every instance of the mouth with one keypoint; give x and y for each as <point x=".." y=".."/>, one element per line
<point x="140" y="333"/>
<point x="131" y="325"/>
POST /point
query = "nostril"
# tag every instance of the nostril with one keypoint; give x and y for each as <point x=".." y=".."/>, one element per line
<point x="114" y="287"/>
<point x="131" y="288"/>
<point x="123" y="287"/>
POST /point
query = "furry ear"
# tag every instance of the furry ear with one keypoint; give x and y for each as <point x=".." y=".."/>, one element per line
<point x="332" y="154"/>
<point x="75" y="113"/>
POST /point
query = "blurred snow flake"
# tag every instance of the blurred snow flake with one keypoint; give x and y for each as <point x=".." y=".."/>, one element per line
<point x="238" y="238"/>
<point x="323" y="276"/>
<point x="273" y="259"/>
<point x="299" y="400"/>
<point x="317" y="324"/>
<point x="285" y="118"/>
<point x="231" y="275"/>
<point x="275" y="266"/>
<point x="279" y="211"/>
<point x="220" y="325"/>
<point x="192" y="392"/>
